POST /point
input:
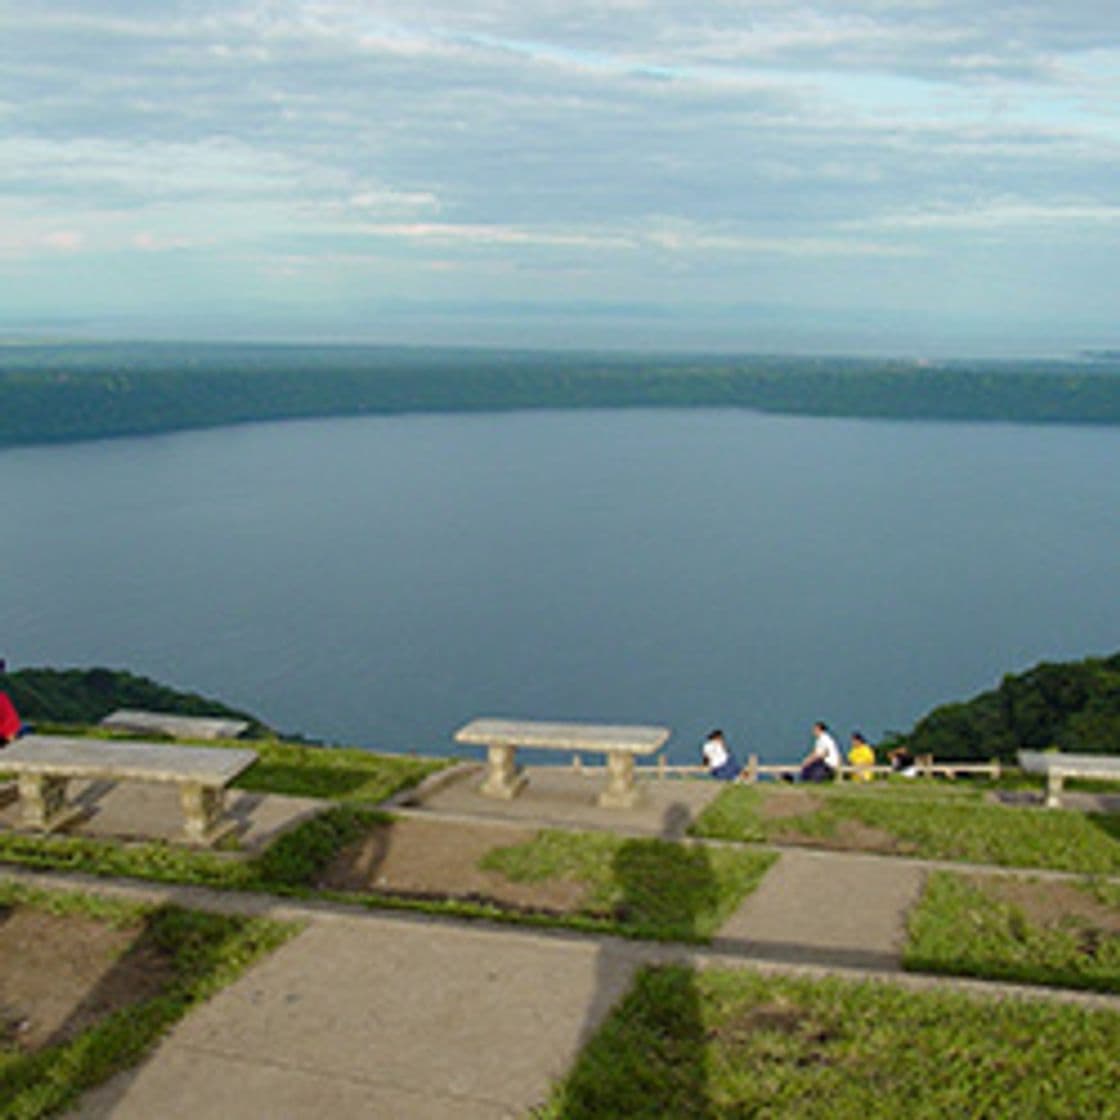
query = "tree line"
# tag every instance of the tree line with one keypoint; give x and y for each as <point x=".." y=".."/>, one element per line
<point x="62" y="393"/>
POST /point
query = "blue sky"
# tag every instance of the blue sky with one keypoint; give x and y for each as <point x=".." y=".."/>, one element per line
<point x="920" y="177"/>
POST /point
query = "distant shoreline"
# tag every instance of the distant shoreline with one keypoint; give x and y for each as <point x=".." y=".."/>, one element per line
<point x="60" y="393"/>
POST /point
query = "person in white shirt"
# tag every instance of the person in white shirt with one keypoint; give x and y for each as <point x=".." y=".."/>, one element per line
<point x="721" y="763"/>
<point x="823" y="761"/>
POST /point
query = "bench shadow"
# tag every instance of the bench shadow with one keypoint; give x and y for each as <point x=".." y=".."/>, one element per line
<point x="296" y="781"/>
<point x="137" y="987"/>
<point x="1108" y="823"/>
<point x="666" y="881"/>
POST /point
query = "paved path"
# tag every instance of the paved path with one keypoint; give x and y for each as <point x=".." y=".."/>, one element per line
<point x="396" y="1015"/>
<point x="371" y="1017"/>
<point x="827" y="908"/>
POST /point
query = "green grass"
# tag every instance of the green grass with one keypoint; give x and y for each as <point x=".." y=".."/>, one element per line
<point x="283" y="868"/>
<point x="642" y="888"/>
<point x="208" y="951"/>
<point x="639" y="888"/>
<point x="721" y="1044"/>
<point x="946" y="826"/>
<point x="342" y="774"/>
<point x="961" y="926"/>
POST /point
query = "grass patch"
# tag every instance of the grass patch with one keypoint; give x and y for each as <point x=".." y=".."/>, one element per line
<point x="643" y="888"/>
<point x="1018" y="929"/>
<point x="334" y="773"/>
<point x="283" y="868"/>
<point x="207" y="951"/>
<point x="728" y="1044"/>
<point x="953" y="827"/>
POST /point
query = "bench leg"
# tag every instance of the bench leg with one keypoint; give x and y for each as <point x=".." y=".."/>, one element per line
<point x="503" y="779"/>
<point x="42" y="800"/>
<point x="1054" y="790"/>
<point x="202" y="811"/>
<point x="622" y="791"/>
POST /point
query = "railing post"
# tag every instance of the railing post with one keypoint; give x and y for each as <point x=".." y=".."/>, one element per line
<point x="752" y="768"/>
<point x="661" y="767"/>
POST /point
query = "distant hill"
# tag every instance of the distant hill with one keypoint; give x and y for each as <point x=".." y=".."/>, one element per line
<point x="86" y="696"/>
<point x="1072" y="705"/>
<point x="72" y="392"/>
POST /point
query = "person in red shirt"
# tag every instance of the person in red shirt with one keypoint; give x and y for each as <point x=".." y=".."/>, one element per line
<point x="10" y="723"/>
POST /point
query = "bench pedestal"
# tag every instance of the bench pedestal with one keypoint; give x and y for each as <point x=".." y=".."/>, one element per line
<point x="202" y="813"/>
<point x="504" y="780"/>
<point x="622" y="791"/>
<point x="1054" y="783"/>
<point x="43" y="802"/>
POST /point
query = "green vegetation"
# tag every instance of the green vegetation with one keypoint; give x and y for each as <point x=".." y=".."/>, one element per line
<point x="85" y="391"/>
<point x="1073" y="705"/>
<point x="637" y="888"/>
<point x="931" y="827"/>
<point x="207" y="952"/>
<point x="343" y="774"/>
<point x="719" y="1044"/>
<point x="286" y="867"/>
<point x="645" y="888"/>
<point x="73" y="699"/>
<point x="978" y="927"/>
<point x="85" y="696"/>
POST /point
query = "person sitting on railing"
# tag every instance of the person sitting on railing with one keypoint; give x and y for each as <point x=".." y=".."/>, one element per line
<point x="902" y="762"/>
<point x="823" y="761"/>
<point x="861" y="758"/>
<point x="721" y="763"/>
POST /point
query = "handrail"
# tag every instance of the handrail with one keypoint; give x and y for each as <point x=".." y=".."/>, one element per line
<point x="924" y="766"/>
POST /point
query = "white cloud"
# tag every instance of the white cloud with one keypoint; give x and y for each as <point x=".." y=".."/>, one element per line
<point x="629" y="144"/>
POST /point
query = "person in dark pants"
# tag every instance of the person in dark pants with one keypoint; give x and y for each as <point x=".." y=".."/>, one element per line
<point x="822" y="763"/>
<point x="721" y="763"/>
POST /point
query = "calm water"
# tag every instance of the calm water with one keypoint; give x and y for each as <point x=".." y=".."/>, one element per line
<point x="380" y="581"/>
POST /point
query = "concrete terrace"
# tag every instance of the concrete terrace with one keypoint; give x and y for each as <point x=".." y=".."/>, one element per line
<point x="367" y="1014"/>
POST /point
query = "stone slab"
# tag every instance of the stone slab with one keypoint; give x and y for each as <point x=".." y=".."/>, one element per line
<point x="827" y="906"/>
<point x="95" y="758"/>
<point x="177" y="726"/>
<point x="1102" y="766"/>
<point x="379" y="1018"/>
<point x="557" y="796"/>
<point x="544" y="735"/>
<point x="134" y="810"/>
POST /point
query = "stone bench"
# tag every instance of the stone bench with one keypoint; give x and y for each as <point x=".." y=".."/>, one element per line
<point x="620" y="743"/>
<point x="1057" y="766"/>
<point x="44" y="764"/>
<point x="138" y="722"/>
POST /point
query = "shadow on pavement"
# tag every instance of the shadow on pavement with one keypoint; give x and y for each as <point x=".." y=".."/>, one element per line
<point x="613" y="1080"/>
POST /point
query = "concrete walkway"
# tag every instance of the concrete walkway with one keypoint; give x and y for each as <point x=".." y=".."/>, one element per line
<point x="371" y="1017"/>
<point x="368" y="1014"/>
<point x="817" y="907"/>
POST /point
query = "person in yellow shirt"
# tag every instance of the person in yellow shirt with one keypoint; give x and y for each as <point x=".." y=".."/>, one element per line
<point x="861" y="757"/>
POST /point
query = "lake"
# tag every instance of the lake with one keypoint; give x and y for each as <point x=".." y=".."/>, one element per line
<point x="379" y="581"/>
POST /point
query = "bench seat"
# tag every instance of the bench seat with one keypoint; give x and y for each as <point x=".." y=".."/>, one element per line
<point x="621" y="743"/>
<point x="1057" y="766"/>
<point x="44" y="764"/>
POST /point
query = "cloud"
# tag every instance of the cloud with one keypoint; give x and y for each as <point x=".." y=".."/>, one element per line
<point x="631" y="144"/>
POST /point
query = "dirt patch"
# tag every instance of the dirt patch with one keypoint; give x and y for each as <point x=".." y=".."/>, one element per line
<point x="849" y="835"/>
<point x="61" y="974"/>
<point x="779" y="804"/>
<point x="435" y="859"/>
<point x="1053" y="903"/>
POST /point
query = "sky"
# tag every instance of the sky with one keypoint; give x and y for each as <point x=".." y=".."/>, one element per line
<point x="920" y="177"/>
